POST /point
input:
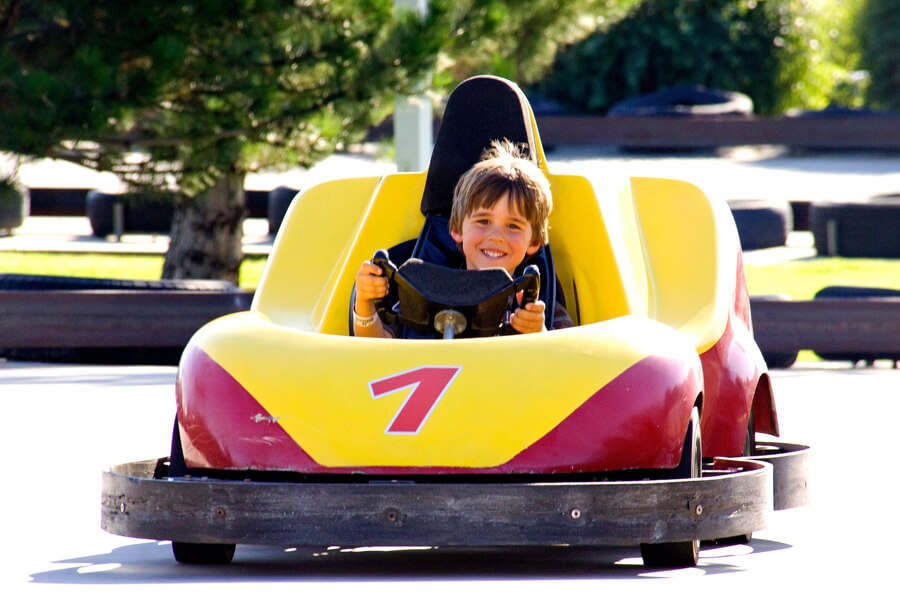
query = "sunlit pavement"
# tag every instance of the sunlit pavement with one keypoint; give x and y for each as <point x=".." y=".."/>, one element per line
<point x="64" y="424"/>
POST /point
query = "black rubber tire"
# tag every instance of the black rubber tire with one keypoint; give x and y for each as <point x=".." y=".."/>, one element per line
<point x="677" y="555"/>
<point x="189" y="553"/>
<point x="52" y="201"/>
<point x="186" y="552"/>
<point x="99" y="210"/>
<point x="670" y="555"/>
<point x="280" y="199"/>
<point x="750" y="439"/>
<point x="777" y="360"/>
<point x="848" y="292"/>
<point x="780" y="361"/>
<point x="868" y="228"/>
<point x="800" y="213"/>
<point x="685" y="100"/>
<point x="257" y="203"/>
<point x="15" y="207"/>
<point x="140" y="215"/>
<point x="749" y="451"/>
<point x="177" y="466"/>
<point x="43" y="282"/>
<point x="762" y="223"/>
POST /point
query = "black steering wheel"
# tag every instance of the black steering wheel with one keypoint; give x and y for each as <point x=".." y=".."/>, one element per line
<point x="454" y="303"/>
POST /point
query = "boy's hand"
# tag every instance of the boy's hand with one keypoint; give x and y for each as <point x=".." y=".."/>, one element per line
<point x="528" y="319"/>
<point x="370" y="285"/>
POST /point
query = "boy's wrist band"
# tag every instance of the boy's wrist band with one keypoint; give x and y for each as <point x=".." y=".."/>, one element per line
<point x="362" y="322"/>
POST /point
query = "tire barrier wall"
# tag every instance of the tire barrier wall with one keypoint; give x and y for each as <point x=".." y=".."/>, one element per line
<point x="863" y="294"/>
<point x="762" y="223"/>
<point x="280" y="199"/>
<point x="143" y="217"/>
<point x="43" y="282"/>
<point x="863" y="328"/>
<point x="141" y="326"/>
<point x="867" y="228"/>
<point x="89" y="320"/>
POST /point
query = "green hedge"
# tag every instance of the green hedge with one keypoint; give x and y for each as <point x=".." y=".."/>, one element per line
<point x="879" y="32"/>
<point x="767" y="49"/>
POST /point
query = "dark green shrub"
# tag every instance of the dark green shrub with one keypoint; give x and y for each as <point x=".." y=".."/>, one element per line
<point x="879" y="32"/>
<point x="763" y="48"/>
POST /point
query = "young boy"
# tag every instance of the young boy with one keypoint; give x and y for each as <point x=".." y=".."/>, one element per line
<point x="499" y="216"/>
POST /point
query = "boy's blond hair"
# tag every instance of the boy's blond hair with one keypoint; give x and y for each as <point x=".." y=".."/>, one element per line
<point x="503" y="168"/>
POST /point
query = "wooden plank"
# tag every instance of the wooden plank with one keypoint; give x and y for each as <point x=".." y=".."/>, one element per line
<point x="790" y="463"/>
<point x="491" y="513"/>
<point x="876" y="132"/>
<point x="64" y="319"/>
<point x="825" y="132"/>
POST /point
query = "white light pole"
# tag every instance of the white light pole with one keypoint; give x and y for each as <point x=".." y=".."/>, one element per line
<point x="413" y="116"/>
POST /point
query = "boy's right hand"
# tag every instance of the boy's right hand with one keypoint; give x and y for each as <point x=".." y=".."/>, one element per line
<point x="370" y="285"/>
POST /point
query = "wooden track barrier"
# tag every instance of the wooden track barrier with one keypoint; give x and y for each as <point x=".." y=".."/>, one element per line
<point x="863" y="326"/>
<point x="65" y="319"/>
<point x="110" y="319"/>
<point x="821" y="132"/>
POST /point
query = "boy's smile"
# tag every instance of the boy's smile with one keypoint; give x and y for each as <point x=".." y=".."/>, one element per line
<point x="495" y="237"/>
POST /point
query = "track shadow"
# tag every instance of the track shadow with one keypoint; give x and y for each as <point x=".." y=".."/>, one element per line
<point x="18" y="372"/>
<point x="152" y="563"/>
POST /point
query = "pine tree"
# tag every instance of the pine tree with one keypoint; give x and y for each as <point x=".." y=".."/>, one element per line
<point x="190" y="95"/>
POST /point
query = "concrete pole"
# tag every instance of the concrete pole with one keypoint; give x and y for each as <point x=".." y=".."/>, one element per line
<point x="413" y="117"/>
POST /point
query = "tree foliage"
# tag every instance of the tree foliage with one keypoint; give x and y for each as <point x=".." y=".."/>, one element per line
<point x="771" y="50"/>
<point x="879" y="30"/>
<point x="518" y="40"/>
<point x="189" y="95"/>
<point x="173" y="94"/>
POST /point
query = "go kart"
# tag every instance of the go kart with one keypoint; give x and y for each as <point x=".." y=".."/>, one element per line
<point x="636" y="427"/>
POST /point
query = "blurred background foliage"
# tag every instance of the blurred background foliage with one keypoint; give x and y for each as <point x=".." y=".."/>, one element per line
<point x="878" y="28"/>
<point x="784" y="54"/>
<point x="518" y="40"/>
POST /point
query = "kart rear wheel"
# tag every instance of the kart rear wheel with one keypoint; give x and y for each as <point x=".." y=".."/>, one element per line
<point x="749" y="451"/>
<point x="680" y="554"/>
<point x="203" y="554"/>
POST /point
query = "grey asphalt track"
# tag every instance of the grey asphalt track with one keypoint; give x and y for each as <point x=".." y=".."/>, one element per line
<point x="65" y="424"/>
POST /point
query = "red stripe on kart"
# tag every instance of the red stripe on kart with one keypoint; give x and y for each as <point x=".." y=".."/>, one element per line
<point x="224" y="427"/>
<point x="635" y="421"/>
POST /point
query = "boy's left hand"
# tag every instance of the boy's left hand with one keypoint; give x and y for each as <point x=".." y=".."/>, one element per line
<point x="528" y="319"/>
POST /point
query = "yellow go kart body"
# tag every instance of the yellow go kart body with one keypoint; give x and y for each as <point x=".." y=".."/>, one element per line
<point x="652" y="275"/>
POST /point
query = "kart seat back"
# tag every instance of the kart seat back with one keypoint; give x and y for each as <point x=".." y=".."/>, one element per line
<point x="480" y="110"/>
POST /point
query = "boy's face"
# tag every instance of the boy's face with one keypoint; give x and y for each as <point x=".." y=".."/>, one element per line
<point x="495" y="237"/>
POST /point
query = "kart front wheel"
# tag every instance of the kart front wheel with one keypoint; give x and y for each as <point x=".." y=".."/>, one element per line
<point x="687" y="553"/>
<point x="203" y="554"/>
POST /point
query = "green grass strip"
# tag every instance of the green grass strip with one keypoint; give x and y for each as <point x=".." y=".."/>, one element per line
<point x="801" y="279"/>
<point x="102" y="265"/>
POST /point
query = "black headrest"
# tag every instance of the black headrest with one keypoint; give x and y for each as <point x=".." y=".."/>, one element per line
<point x="479" y="110"/>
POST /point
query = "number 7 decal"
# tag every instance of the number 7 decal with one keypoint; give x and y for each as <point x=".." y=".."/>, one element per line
<point x="428" y="383"/>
